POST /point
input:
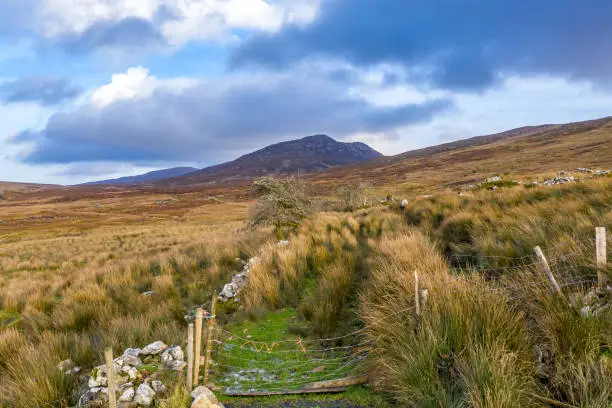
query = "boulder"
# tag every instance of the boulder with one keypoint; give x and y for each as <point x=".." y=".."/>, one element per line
<point x="158" y="387"/>
<point x="204" y="398"/>
<point x="144" y="395"/>
<point x="154" y="348"/>
<point x="127" y="395"/>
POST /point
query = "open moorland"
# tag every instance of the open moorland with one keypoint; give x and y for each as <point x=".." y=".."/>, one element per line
<point x="332" y="290"/>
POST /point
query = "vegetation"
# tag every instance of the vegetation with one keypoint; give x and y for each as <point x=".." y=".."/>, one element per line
<point x="281" y="203"/>
<point x="353" y="196"/>
<point x="491" y="332"/>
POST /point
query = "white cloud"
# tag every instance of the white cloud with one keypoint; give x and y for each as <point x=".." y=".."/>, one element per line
<point x="191" y="19"/>
<point x="136" y="83"/>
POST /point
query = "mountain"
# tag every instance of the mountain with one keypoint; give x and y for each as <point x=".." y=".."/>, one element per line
<point x="150" y="176"/>
<point x="308" y="155"/>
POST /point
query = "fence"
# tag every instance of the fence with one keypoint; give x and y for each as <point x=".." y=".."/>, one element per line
<point x="243" y="365"/>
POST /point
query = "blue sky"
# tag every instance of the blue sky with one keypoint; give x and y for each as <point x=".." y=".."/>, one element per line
<point x="94" y="89"/>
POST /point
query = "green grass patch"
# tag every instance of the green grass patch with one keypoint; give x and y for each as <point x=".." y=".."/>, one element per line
<point x="355" y="397"/>
<point x="267" y="355"/>
<point x="8" y="319"/>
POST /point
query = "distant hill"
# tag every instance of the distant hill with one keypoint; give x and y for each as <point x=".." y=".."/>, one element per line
<point x="150" y="176"/>
<point x="527" y="152"/>
<point x="308" y="155"/>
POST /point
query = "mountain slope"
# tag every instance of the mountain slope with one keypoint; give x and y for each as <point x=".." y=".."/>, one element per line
<point x="150" y="176"/>
<point x="307" y="155"/>
<point x="526" y="153"/>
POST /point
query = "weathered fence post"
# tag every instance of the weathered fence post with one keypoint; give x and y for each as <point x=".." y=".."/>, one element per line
<point x="602" y="261"/>
<point x="551" y="278"/>
<point x="110" y="372"/>
<point x="417" y="301"/>
<point x="198" y="346"/>
<point x="210" y="335"/>
<point x="190" y="357"/>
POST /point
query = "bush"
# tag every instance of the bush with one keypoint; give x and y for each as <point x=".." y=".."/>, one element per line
<point x="281" y="203"/>
<point x="353" y="196"/>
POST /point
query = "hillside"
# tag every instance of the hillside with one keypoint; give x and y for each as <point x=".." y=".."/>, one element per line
<point x="307" y="155"/>
<point x="527" y="153"/>
<point x="150" y="176"/>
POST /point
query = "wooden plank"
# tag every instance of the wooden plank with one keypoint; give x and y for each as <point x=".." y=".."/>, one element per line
<point x="197" y="349"/>
<point x="551" y="278"/>
<point x="602" y="261"/>
<point x="110" y="373"/>
<point x="289" y="392"/>
<point x="417" y="302"/>
<point x="340" y="382"/>
<point x="189" y="375"/>
<point x="210" y="335"/>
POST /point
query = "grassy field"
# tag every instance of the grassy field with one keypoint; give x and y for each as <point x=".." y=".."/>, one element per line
<point x="76" y="266"/>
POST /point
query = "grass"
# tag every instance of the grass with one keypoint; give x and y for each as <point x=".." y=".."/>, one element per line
<point x="355" y="396"/>
<point x="270" y="354"/>
<point x="491" y="333"/>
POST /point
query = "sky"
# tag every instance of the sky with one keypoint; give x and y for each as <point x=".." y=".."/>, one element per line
<point x="93" y="89"/>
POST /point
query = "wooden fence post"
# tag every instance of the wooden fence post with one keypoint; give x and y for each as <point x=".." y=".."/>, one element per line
<point x="210" y="335"/>
<point x="551" y="278"/>
<point x="198" y="346"/>
<point x="110" y="373"/>
<point x="602" y="261"/>
<point x="189" y="356"/>
<point x="417" y="301"/>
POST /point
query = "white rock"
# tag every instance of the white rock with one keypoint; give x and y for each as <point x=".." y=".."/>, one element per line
<point x="177" y="353"/>
<point x="404" y="203"/>
<point x="65" y="365"/>
<point x="154" y="348"/>
<point x="144" y="395"/>
<point x="158" y="386"/>
<point x="204" y="398"/>
<point x="127" y="395"/>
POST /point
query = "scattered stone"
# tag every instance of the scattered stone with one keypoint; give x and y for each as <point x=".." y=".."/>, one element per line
<point x="173" y="358"/>
<point x="148" y="293"/>
<point x="559" y="180"/>
<point x="154" y="348"/>
<point x="65" y="365"/>
<point x="128" y="395"/>
<point x="282" y="243"/>
<point x="493" y="179"/>
<point x="204" y="398"/>
<point x="144" y="395"/>
<point x="239" y="281"/>
<point x="158" y="387"/>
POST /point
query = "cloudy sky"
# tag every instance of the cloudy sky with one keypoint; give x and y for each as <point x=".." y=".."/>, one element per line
<point x="93" y="89"/>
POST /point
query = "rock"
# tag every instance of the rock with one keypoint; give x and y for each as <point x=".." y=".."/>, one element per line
<point x="158" y="387"/>
<point x="127" y="395"/>
<point x="204" y="398"/>
<point x="148" y="293"/>
<point x="65" y="366"/>
<point x="144" y="395"/>
<point x="95" y="397"/>
<point x="404" y="204"/>
<point x="493" y="179"/>
<point x="177" y="365"/>
<point x="282" y="243"/>
<point x="128" y="359"/>
<point x="98" y="377"/>
<point x="154" y="348"/>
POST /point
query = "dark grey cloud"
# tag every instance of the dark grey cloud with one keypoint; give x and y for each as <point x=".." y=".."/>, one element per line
<point x="215" y="120"/>
<point x="44" y="90"/>
<point x="463" y="45"/>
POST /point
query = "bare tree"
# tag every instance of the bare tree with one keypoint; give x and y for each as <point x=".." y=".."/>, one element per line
<point x="282" y="203"/>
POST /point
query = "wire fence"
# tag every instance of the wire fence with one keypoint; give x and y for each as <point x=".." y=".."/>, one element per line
<point x="242" y="363"/>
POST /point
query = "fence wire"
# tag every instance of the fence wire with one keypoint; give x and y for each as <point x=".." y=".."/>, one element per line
<point x="242" y="363"/>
